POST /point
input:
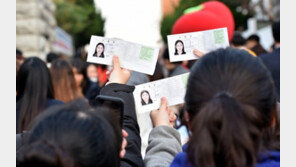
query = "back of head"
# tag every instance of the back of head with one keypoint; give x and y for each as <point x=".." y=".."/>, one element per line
<point x="79" y="65"/>
<point x="19" y="54"/>
<point x="276" y="31"/>
<point x="80" y="68"/>
<point x="238" y="40"/>
<point x="50" y="57"/>
<point x="68" y="136"/>
<point x="230" y="99"/>
<point x="64" y="85"/>
<point x="254" y="37"/>
<point x="34" y="86"/>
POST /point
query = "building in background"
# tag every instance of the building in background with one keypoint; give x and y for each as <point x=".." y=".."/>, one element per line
<point x="265" y="12"/>
<point x="133" y="20"/>
<point x="36" y="27"/>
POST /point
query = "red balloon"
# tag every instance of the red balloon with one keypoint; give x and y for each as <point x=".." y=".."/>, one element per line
<point x="211" y="15"/>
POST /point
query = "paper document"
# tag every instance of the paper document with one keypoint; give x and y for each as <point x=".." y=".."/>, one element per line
<point x="132" y="56"/>
<point x="148" y="96"/>
<point x="181" y="46"/>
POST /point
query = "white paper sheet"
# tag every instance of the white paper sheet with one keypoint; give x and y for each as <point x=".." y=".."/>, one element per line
<point x="132" y="56"/>
<point x="173" y="88"/>
<point x="204" y="41"/>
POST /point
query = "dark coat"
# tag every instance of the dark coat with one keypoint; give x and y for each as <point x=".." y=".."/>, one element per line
<point x="133" y="155"/>
<point x="272" y="62"/>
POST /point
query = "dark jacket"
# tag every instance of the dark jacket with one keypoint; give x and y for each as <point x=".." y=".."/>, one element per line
<point x="268" y="159"/>
<point x="91" y="92"/>
<point x="133" y="155"/>
<point x="272" y="62"/>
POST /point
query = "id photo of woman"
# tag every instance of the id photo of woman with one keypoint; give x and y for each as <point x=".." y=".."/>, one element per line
<point x="179" y="48"/>
<point x="145" y="98"/>
<point x="99" y="51"/>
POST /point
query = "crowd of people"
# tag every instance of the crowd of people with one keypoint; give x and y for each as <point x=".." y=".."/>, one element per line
<point x="231" y="110"/>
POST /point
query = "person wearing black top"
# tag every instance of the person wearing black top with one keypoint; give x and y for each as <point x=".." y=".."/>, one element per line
<point x="116" y="87"/>
<point x="272" y="60"/>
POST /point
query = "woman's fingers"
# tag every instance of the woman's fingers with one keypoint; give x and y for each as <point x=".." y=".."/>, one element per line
<point x="124" y="133"/>
<point x="122" y="153"/>
<point x="116" y="64"/>
<point x="124" y="143"/>
<point x="163" y="104"/>
<point x="198" y="53"/>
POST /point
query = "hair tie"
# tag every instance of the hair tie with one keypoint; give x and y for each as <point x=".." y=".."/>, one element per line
<point x="223" y="93"/>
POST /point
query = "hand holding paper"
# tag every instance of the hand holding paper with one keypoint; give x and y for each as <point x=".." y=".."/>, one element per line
<point x="198" y="53"/>
<point x="147" y="96"/>
<point x="163" y="116"/>
<point x="118" y="74"/>
<point x="182" y="46"/>
<point x="132" y="56"/>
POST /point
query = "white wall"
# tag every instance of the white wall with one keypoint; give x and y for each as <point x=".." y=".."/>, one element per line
<point x="132" y="20"/>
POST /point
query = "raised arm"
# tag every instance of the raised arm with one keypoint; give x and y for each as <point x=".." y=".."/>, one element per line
<point x="164" y="141"/>
<point x="116" y="87"/>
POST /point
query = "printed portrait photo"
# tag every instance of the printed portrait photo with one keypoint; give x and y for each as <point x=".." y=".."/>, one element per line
<point x="179" y="48"/>
<point x="99" y="50"/>
<point x="145" y="98"/>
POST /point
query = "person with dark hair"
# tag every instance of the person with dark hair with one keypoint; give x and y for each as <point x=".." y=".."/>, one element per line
<point x="65" y="88"/>
<point x="50" y="57"/>
<point x="73" y="136"/>
<point x="272" y="60"/>
<point x="253" y="43"/>
<point x="179" y="48"/>
<point x="80" y="138"/>
<point x="145" y="98"/>
<point x="173" y="68"/>
<point x="158" y="73"/>
<point x="92" y="72"/>
<point x="116" y="87"/>
<point x="19" y="59"/>
<point x="34" y="92"/>
<point x="99" y="51"/>
<point x="276" y="32"/>
<point x="239" y="42"/>
<point x="85" y="86"/>
<point x="229" y="116"/>
<point x="19" y="53"/>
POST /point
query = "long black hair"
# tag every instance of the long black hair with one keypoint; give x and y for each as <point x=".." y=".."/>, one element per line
<point x="81" y="69"/>
<point x="72" y="135"/>
<point x="34" y="87"/>
<point x="142" y="101"/>
<point x="183" y="50"/>
<point x="102" y="55"/>
<point x="230" y="99"/>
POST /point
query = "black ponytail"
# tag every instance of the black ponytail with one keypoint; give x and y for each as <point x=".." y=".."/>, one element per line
<point x="225" y="132"/>
<point x="230" y="99"/>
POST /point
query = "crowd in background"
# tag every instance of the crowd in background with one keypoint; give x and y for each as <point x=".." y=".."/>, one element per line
<point x="231" y="110"/>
